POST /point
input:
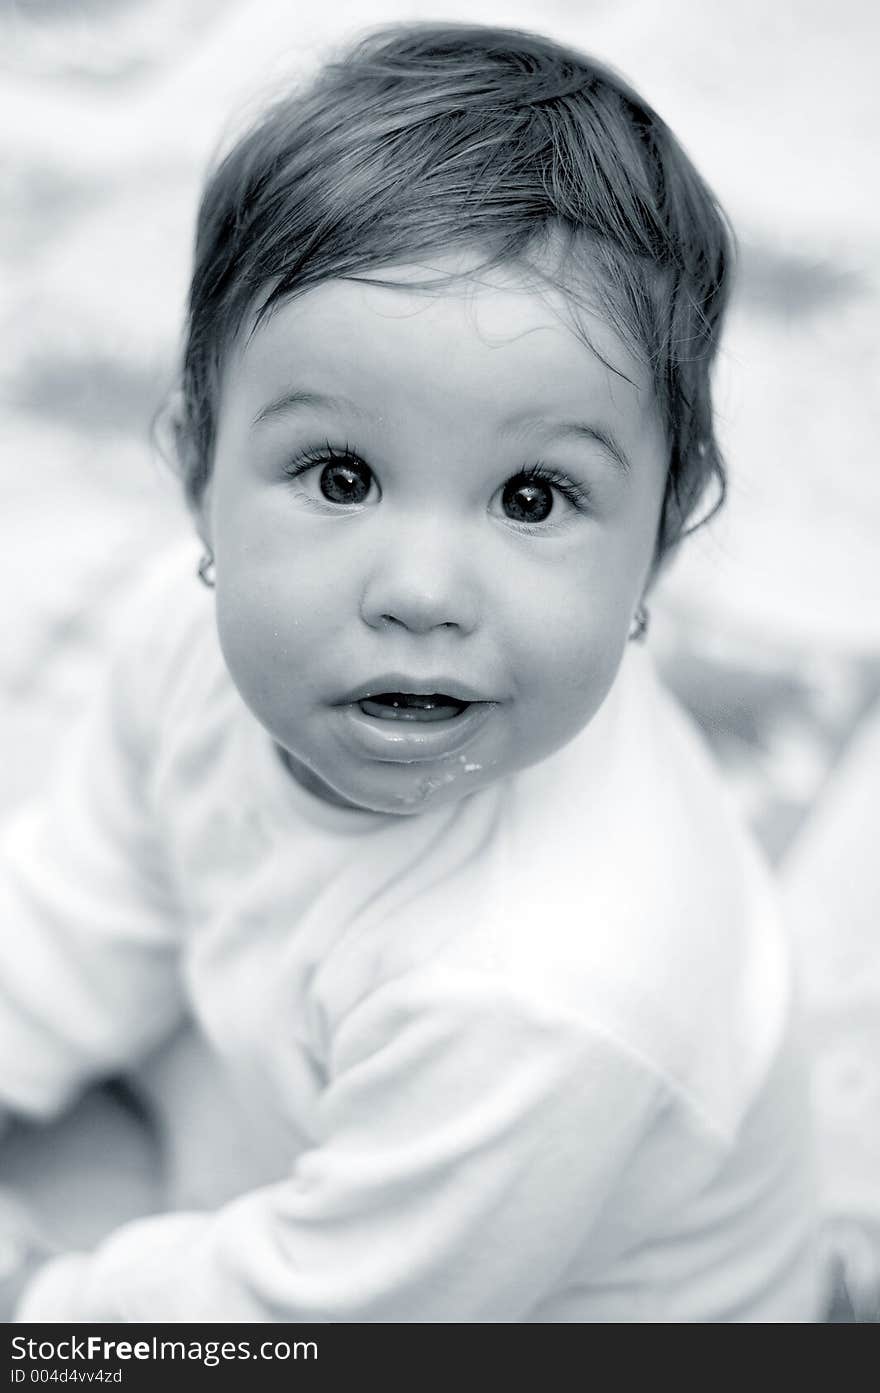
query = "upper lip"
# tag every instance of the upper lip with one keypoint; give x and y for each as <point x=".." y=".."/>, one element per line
<point x="440" y="684"/>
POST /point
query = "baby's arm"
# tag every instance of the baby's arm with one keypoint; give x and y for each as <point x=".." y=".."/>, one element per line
<point x="88" y="925"/>
<point x="467" y="1143"/>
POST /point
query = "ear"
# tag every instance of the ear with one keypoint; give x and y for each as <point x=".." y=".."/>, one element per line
<point x="168" y="431"/>
<point x="172" y="440"/>
<point x="200" y="513"/>
<point x="659" y="566"/>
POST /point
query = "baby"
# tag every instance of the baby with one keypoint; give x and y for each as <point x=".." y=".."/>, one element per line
<point x="392" y="808"/>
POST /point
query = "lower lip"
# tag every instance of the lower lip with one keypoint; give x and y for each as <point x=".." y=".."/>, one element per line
<point x="410" y="742"/>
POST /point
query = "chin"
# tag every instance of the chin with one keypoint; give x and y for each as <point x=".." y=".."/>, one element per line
<point x="412" y="789"/>
<point x="415" y="794"/>
<point x="408" y="791"/>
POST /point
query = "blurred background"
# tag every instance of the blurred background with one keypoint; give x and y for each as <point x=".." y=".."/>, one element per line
<point x="768" y="626"/>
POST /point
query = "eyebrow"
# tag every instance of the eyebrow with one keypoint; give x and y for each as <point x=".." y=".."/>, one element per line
<point x="574" y="430"/>
<point x="301" y="400"/>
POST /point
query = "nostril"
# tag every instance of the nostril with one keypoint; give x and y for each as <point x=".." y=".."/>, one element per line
<point x="417" y="610"/>
<point x="391" y="620"/>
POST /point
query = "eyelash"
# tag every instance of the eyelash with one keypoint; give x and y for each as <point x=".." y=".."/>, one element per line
<point x="576" y="494"/>
<point x="324" y="454"/>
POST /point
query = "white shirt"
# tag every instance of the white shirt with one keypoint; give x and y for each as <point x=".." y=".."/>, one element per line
<point x="524" y="1058"/>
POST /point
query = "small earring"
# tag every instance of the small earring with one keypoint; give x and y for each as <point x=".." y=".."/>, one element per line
<point x="207" y="570"/>
<point x="641" y="620"/>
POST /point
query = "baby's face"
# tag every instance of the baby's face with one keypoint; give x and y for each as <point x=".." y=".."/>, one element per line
<point x="433" y="515"/>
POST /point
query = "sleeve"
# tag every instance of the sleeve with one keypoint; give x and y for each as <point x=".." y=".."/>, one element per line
<point x="88" y="925"/>
<point x="467" y="1144"/>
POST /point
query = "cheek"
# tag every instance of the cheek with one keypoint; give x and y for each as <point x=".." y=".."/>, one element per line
<point x="567" y="629"/>
<point x="567" y="670"/>
<point x="271" y="620"/>
<point x="274" y="576"/>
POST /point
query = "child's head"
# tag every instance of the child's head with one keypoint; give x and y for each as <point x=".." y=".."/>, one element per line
<point x="446" y="402"/>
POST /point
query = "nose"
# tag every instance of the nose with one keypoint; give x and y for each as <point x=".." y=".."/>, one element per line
<point x="419" y="583"/>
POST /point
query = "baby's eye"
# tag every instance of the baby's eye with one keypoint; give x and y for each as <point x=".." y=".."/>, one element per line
<point x="346" y="482"/>
<point x="332" y="476"/>
<point x="527" y="500"/>
<point x="539" y="493"/>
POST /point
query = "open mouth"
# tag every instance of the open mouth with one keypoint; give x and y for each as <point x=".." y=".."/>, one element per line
<point x="412" y="706"/>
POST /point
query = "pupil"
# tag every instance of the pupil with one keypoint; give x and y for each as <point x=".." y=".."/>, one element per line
<point x="527" y="502"/>
<point x="345" y="483"/>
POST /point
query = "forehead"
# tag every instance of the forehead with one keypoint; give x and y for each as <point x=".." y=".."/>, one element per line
<point x="496" y="342"/>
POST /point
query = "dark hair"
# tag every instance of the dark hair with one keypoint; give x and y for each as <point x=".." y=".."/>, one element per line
<point x="425" y="137"/>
